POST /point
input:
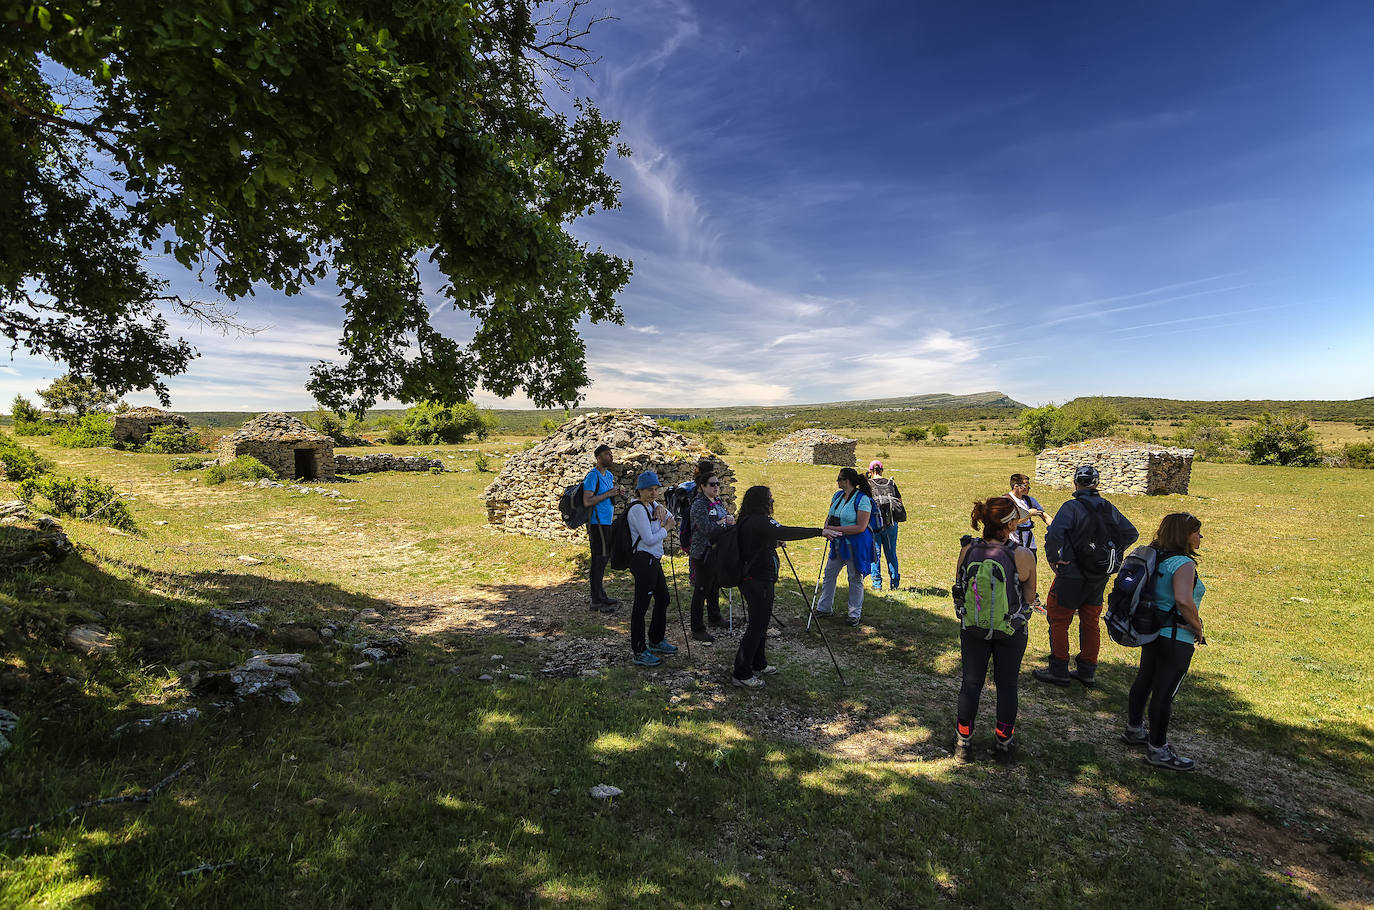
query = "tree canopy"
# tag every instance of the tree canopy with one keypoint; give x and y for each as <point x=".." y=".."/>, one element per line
<point x="281" y="142"/>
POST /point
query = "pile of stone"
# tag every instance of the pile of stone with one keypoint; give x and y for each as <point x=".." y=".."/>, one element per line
<point x="134" y="425"/>
<point x="262" y="675"/>
<point x="284" y="444"/>
<point x="1123" y="467"/>
<point x="38" y="540"/>
<point x="814" y="447"/>
<point x="268" y="483"/>
<point x="524" y="497"/>
<point x="384" y="461"/>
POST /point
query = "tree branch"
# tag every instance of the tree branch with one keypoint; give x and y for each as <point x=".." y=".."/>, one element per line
<point x="90" y="132"/>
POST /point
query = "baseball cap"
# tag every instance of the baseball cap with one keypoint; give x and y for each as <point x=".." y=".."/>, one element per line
<point x="1086" y="475"/>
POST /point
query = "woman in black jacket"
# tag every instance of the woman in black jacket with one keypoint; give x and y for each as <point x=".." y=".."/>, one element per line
<point x="759" y="535"/>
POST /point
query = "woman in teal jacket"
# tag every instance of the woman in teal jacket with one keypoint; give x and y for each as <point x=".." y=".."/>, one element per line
<point x="1164" y="662"/>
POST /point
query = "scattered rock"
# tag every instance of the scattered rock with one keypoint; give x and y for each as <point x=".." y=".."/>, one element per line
<point x="159" y="522"/>
<point x="9" y="722"/>
<point x="485" y="677"/>
<point x="606" y="791"/>
<point x="235" y="622"/>
<point x="117" y="532"/>
<point x="180" y="718"/>
<point x="314" y="802"/>
<point x="250" y="560"/>
<point x="91" y="640"/>
<point x="497" y="658"/>
<point x="15" y="508"/>
<point x="381" y="650"/>
<point x="517" y="677"/>
<point x="296" y="635"/>
<point x="262" y="674"/>
<point x="48" y="523"/>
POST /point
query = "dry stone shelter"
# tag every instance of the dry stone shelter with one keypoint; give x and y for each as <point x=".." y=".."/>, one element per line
<point x="814" y="447"/>
<point x="524" y="497"/>
<point x="134" y="425"/>
<point x="284" y="444"/>
<point x="1123" y="467"/>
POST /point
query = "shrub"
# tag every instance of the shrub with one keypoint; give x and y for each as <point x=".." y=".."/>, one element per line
<point x="187" y="464"/>
<point x="716" y="444"/>
<point x="245" y="467"/>
<point x="345" y="431"/>
<point x="1080" y="419"/>
<point x="939" y="430"/>
<point x="699" y="426"/>
<point x="1357" y="455"/>
<point x="170" y="439"/>
<point x="482" y="464"/>
<point x="28" y="420"/>
<point x="72" y="397"/>
<point x="86" y="498"/>
<point x="915" y="434"/>
<point x="21" y="462"/>
<point x="1285" y="439"/>
<point x="90" y="432"/>
<point x="882" y="453"/>
<point x="1204" y="434"/>
<point x="429" y="423"/>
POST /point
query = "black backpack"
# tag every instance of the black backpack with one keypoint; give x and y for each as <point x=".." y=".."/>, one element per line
<point x="885" y="499"/>
<point x="679" y="502"/>
<point x="725" y="565"/>
<point x="1132" y="619"/>
<point x="1095" y="548"/>
<point x="571" y="508"/>
<point x="622" y="545"/>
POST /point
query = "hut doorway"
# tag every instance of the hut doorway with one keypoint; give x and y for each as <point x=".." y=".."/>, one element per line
<point x="305" y="464"/>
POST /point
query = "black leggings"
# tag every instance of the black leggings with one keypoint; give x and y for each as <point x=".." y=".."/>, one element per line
<point x="705" y="597"/>
<point x="758" y="597"/>
<point x="1005" y="655"/>
<point x="1163" y="664"/>
<point x="649" y="581"/>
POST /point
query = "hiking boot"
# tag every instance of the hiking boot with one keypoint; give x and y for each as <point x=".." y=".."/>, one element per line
<point x="1136" y="736"/>
<point x="1085" y="673"/>
<point x="664" y="647"/>
<point x="1057" y="674"/>
<point x="1004" y="749"/>
<point x="646" y="659"/>
<point x="610" y="602"/>
<point x="896" y="584"/>
<point x="766" y="671"/>
<point x="963" y="746"/>
<point x="1165" y="757"/>
<point x="703" y="636"/>
<point x="717" y="622"/>
<point x="853" y="621"/>
<point x="607" y="606"/>
<point x="752" y="682"/>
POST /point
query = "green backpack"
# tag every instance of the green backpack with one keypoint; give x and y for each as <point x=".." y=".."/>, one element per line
<point x="987" y="591"/>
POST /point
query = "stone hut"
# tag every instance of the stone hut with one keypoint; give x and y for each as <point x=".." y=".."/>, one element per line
<point x="1124" y="467"/>
<point x="814" y="447"/>
<point x="524" y="497"/>
<point x="134" y="425"/>
<point x="284" y="444"/>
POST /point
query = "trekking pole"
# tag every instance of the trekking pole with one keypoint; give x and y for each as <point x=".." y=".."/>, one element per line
<point x="815" y="595"/>
<point x="802" y="592"/>
<point x="687" y="639"/>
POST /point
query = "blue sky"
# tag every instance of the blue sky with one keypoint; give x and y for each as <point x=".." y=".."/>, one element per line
<point x="833" y="201"/>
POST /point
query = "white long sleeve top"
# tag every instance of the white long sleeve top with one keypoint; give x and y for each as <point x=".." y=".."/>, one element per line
<point x="646" y="534"/>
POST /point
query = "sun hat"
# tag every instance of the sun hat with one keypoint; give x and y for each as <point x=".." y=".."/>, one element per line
<point x="875" y="465"/>
<point x="1085" y="476"/>
<point x="646" y="480"/>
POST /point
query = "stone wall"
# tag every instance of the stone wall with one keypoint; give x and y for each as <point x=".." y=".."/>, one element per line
<point x="814" y="447"/>
<point x="274" y="439"/>
<point x="384" y="461"/>
<point x="1124" y="467"/>
<point x="133" y="426"/>
<point x="524" y="497"/>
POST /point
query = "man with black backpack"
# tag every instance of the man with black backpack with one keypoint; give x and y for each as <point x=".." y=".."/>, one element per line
<point x="1084" y="545"/>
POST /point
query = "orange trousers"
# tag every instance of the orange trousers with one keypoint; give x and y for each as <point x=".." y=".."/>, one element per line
<point x="1089" y="629"/>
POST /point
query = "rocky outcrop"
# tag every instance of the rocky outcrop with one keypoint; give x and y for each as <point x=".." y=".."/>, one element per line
<point x="284" y="444"/>
<point x="133" y="426"/>
<point x="814" y="447"/>
<point x="1123" y="467"/>
<point x="384" y="461"/>
<point x="524" y="497"/>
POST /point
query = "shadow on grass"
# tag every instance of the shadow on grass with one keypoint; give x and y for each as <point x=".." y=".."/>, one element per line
<point x="418" y="784"/>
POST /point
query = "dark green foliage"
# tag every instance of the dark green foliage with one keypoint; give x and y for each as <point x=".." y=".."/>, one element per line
<point x="431" y="423"/>
<point x="345" y="431"/>
<point x="187" y="464"/>
<point x="699" y="426"/>
<point x="72" y="397"/>
<point x="1165" y="408"/>
<point x="244" y="467"/>
<point x="1283" y="439"/>
<point x="716" y="444"/>
<point x="1207" y="437"/>
<point x="89" y="432"/>
<point x="28" y="420"/>
<point x="169" y="439"/>
<point x="275" y="143"/>
<point x="1080" y="419"/>
<point x="914" y="433"/>
<point x="87" y="498"/>
<point x="939" y="430"/>
<point x="1359" y="454"/>
<point x="21" y="462"/>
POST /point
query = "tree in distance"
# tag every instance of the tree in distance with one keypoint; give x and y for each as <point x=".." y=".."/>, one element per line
<point x="1284" y="439"/>
<point x="278" y="143"/>
<point x="72" y="397"/>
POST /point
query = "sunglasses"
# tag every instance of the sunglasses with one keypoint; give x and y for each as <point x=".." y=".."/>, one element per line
<point x="713" y="483"/>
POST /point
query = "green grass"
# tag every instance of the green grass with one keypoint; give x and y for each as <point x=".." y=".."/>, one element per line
<point x="416" y="784"/>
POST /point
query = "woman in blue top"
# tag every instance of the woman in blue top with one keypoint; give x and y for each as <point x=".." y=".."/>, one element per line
<point x="849" y="510"/>
<point x="1163" y="662"/>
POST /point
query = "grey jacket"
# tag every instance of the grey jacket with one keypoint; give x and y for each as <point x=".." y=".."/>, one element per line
<point x="706" y="519"/>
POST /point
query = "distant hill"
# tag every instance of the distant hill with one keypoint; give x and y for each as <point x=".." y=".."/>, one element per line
<point x="1358" y="409"/>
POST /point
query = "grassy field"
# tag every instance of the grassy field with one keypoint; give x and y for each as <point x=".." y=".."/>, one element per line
<point x="418" y="784"/>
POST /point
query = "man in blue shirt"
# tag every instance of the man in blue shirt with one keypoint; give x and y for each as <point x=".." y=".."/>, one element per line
<point x="1076" y="591"/>
<point x="597" y="489"/>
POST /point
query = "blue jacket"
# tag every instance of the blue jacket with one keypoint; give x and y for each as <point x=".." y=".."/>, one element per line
<point x="1071" y="520"/>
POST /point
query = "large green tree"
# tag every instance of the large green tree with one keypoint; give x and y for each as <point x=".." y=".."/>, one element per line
<point x="281" y="142"/>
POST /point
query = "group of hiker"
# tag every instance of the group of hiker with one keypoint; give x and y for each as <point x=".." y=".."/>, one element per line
<point x="995" y="583"/>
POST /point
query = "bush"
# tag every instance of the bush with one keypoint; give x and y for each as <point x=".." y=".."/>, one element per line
<point x="915" y="434"/>
<point x="21" y="462"/>
<point x="345" y="431"/>
<point x="939" y="430"/>
<point x="86" y="498"/>
<point x="169" y="439"/>
<point x="429" y="423"/>
<point x="187" y="464"/>
<point x="1285" y="439"/>
<point x="1357" y="455"/>
<point x="28" y="420"/>
<point x="1080" y="419"/>
<point x="245" y="467"/>
<point x="700" y="426"/>
<point x="1204" y="434"/>
<point x="482" y="464"/>
<point x="90" y="432"/>
<point x="716" y="444"/>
